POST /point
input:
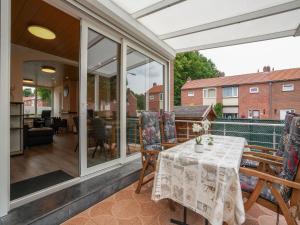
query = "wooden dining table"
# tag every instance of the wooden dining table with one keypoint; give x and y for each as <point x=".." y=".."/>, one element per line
<point x="207" y="183"/>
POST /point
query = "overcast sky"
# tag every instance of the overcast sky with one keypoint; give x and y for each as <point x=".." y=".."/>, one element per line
<point x="248" y="58"/>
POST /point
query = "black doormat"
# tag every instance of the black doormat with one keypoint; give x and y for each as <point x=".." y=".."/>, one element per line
<point x="25" y="187"/>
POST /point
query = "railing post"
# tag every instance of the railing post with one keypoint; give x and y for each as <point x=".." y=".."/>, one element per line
<point x="224" y="131"/>
<point x="187" y="131"/>
<point x="274" y="138"/>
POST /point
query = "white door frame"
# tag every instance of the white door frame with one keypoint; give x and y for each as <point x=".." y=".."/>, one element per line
<point x="85" y="173"/>
<point x="84" y="169"/>
<point x="5" y="106"/>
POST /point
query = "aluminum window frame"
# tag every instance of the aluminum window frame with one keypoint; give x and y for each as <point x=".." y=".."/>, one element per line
<point x="288" y="87"/>
<point x="232" y="92"/>
<point x="207" y="90"/>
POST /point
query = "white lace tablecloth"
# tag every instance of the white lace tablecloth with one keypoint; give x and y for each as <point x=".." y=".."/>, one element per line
<point x="207" y="183"/>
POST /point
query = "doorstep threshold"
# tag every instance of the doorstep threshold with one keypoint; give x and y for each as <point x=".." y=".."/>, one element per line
<point x="64" y="204"/>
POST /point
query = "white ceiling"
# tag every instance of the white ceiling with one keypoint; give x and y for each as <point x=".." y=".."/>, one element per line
<point x="198" y="24"/>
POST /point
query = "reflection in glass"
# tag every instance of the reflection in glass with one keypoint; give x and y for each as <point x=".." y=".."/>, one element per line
<point x="102" y="99"/>
<point x="145" y="91"/>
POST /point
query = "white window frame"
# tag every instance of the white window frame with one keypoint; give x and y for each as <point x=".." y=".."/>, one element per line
<point x="253" y="90"/>
<point x="191" y="93"/>
<point x="151" y="97"/>
<point x="161" y="96"/>
<point x="250" y="113"/>
<point x="232" y="95"/>
<point x="206" y="90"/>
<point x="288" y="87"/>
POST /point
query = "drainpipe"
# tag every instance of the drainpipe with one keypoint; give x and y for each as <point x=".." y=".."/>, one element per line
<point x="270" y="101"/>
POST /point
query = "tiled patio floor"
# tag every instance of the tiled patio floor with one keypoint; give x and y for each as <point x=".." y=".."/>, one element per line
<point x="128" y="208"/>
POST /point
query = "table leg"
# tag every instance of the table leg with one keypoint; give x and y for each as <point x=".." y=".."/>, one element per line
<point x="184" y="218"/>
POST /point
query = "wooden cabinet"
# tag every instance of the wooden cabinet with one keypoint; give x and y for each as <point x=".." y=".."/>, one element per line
<point x="16" y="127"/>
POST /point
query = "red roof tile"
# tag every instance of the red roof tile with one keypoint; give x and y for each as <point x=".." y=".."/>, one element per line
<point x="156" y="89"/>
<point x="262" y="77"/>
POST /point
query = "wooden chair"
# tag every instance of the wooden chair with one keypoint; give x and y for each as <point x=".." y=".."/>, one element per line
<point x="151" y="143"/>
<point x="281" y="192"/>
<point x="249" y="159"/>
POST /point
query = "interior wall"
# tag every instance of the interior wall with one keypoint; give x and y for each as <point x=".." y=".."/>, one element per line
<point x="19" y="55"/>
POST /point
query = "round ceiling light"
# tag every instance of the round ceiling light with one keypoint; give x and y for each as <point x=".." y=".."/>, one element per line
<point x="48" y="69"/>
<point x="41" y="32"/>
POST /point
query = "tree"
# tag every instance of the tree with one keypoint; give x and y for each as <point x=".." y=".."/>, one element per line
<point x="218" y="108"/>
<point x="193" y="65"/>
<point x="27" y="92"/>
<point x="45" y="94"/>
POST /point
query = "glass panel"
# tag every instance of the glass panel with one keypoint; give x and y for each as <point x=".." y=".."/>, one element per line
<point x="211" y="93"/>
<point x="29" y="100"/>
<point x="44" y="99"/>
<point x="103" y="112"/>
<point x="145" y="88"/>
<point x="197" y="12"/>
<point x="267" y="25"/>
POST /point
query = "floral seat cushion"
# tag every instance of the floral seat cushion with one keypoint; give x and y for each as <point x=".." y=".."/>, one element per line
<point x="290" y="166"/>
<point x="169" y="127"/>
<point x="150" y="131"/>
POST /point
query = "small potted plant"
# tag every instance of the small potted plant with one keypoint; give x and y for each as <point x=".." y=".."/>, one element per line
<point x="197" y="128"/>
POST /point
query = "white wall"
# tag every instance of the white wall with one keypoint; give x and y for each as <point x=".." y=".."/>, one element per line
<point x="209" y="101"/>
<point x="230" y="101"/>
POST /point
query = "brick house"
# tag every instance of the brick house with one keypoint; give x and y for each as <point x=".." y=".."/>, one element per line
<point x="156" y="98"/>
<point x="264" y="95"/>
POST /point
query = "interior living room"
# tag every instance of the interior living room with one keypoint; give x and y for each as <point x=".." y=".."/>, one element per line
<point x="44" y="97"/>
<point x="44" y="94"/>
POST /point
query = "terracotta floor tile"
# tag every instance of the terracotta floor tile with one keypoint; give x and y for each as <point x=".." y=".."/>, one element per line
<point x="105" y="220"/>
<point x="126" y="194"/>
<point x="102" y="208"/>
<point x="80" y="220"/>
<point x="126" y="209"/>
<point x="133" y="221"/>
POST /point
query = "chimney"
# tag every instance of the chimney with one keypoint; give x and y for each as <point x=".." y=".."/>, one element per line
<point x="154" y="84"/>
<point x="188" y="79"/>
<point x="266" y="69"/>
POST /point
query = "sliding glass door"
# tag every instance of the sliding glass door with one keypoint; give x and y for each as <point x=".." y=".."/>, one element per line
<point x="103" y="99"/>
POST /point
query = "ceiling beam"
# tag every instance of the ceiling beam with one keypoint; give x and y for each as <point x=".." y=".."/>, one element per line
<point x="297" y="33"/>
<point x="287" y="33"/>
<point x="95" y="41"/>
<point x="155" y="8"/>
<point x="282" y="8"/>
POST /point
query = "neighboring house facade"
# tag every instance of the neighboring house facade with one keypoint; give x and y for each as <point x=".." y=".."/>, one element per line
<point x="262" y="95"/>
<point x="156" y="98"/>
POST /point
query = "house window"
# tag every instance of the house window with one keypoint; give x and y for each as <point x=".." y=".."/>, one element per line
<point x="230" y="92"/>
<point x="288" y="87"/>
<point x="161" y="96"/>
<point x="36" y="99"/>
<point x="209" y="93"/>
<point x="151" y="97"/>
<point x="253" y="90"/>
<point x="230" y="115"/>
<point x="253" y="114"/>
<point x="191" y="93"/>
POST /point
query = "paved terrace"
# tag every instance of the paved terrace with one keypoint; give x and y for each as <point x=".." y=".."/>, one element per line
<point x="128" y="208"/>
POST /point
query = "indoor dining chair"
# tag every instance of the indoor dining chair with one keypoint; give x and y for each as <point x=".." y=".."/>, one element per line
<point x="280" y="193"/>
